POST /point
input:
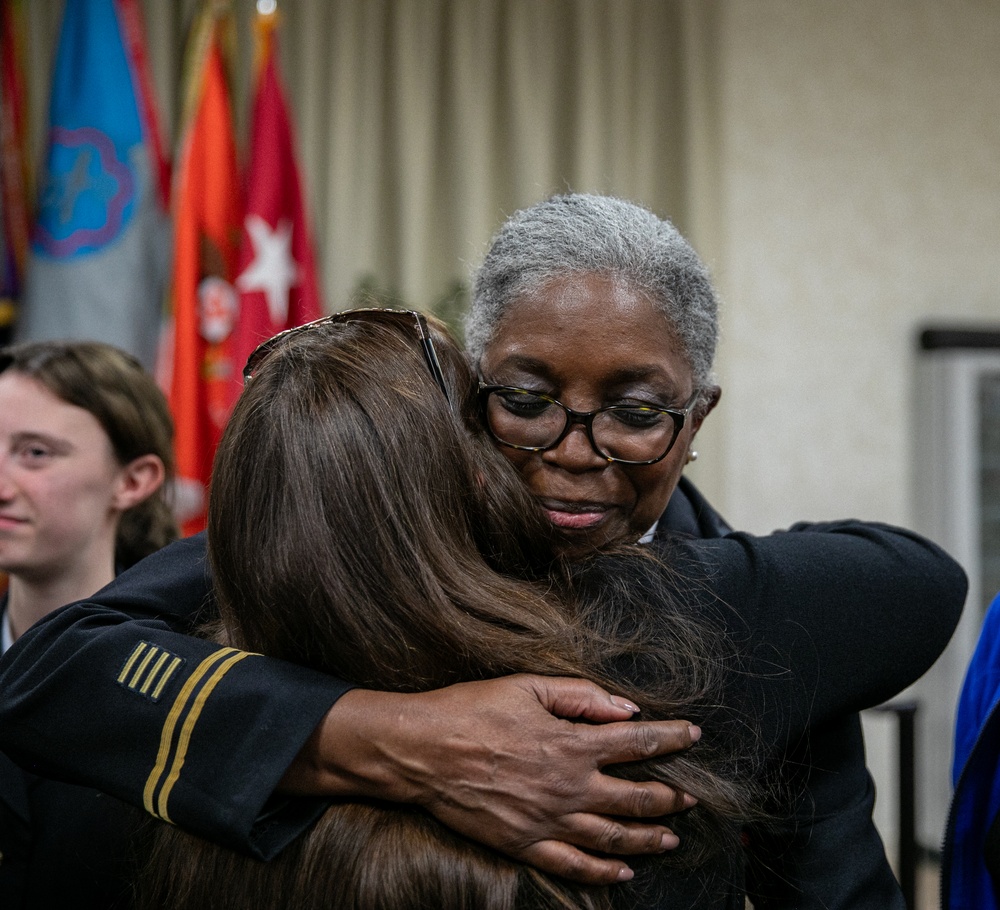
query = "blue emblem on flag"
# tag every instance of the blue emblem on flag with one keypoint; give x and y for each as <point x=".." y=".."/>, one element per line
<point x="89" y="193"/>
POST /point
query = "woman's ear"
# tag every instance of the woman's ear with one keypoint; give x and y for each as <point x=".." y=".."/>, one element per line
<point x="139" y="480"/>
<point x="712" y="396"/>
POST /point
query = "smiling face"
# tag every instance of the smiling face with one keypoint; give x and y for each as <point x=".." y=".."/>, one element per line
<point x="589" y="340"/>
<point x="59" y="482"/>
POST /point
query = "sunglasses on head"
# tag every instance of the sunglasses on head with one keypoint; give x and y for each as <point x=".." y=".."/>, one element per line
<point x="410" y="319"/>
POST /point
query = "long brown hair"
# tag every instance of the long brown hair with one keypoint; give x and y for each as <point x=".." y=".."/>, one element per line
<point x="112" y="386"/>
<point x="362" y="526"/>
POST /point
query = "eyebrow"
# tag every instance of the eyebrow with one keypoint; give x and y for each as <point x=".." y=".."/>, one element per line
<point x="641" y="374"/>
<point x="619" y="377"/>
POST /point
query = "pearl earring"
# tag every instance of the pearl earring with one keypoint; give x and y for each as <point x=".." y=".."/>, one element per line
<point x="692" y="456"/>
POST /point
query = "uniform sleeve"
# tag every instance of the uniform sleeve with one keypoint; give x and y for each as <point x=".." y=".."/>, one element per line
<point x="835" y="617"/>
<point x="115" y="693"/>
<point x="798" y="862"/>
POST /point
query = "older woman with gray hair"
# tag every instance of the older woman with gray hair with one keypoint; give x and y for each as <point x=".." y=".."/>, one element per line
<point x="596" y="302"/>
<point x="586" y="303"/>
<point x="581" y="233"/>
<point x="593" y="329"/>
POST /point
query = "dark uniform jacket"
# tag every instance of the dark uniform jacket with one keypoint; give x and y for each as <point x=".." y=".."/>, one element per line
<point x="830" y="855"/>
<point x="61" y="845"/>
<point x="113" y="692"/>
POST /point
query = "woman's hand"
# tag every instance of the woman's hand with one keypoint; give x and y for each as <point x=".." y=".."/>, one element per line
<point x="503" y="762"/>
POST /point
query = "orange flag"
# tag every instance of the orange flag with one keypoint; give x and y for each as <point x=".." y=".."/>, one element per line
<point x="277" y="283"/>
<point x="196" y="362"/>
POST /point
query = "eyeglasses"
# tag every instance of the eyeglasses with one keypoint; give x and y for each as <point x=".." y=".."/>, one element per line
<point x="626" y="433"/>
<point x="406" y="318"/>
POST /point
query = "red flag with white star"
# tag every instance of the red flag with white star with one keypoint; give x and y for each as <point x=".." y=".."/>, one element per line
<point x="276" y="279"/>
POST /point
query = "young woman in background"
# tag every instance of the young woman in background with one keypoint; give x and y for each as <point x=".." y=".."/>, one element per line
<point x="86" y="447"/>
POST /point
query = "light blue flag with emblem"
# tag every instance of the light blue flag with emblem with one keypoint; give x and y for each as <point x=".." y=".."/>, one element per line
<point x="100" y="248"/>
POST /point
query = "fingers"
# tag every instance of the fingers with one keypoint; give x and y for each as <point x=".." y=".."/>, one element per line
<point x="501" y="762"/>
<point x="561" y="859"/>
<point x="618" y="743"/>
<point x="626" y="799"/>
<point x="618" y="837"/>
<point x="577" y="698"/>
<point x="612" y="743"/>
<point x="605" y="837"/>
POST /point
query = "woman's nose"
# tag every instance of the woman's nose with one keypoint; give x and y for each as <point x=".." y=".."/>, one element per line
<point x="575" y="452"/>
<point x="6" y="481"/>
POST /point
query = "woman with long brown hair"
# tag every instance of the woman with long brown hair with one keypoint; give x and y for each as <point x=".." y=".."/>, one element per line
<point x="362" y="523"/>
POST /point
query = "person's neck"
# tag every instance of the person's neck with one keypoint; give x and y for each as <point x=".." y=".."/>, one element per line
<point x="30" y="599"/>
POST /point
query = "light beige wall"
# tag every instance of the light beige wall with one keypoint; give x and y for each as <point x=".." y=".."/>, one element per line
<point x="856" y="156"/>
<point x="859" y="194"/>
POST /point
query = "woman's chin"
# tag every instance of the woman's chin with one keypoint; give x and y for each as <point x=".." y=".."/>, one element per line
<point x="581" y="542"/>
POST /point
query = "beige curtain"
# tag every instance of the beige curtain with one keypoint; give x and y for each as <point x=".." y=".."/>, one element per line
<point x="422" y="123"/>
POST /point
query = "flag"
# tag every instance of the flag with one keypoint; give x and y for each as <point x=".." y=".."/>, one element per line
<point x="99" y="251"/>
<point x="15" y="176"/>
<point x="277" y="283"/>
<point x="196" y="363"/>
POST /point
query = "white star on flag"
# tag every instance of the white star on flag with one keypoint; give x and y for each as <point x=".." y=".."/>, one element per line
<point x="272" y="270"/>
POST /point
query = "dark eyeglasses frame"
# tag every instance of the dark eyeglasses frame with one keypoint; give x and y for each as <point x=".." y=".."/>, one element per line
<point x="586" y="418"/>
<point x="362" y="314"/>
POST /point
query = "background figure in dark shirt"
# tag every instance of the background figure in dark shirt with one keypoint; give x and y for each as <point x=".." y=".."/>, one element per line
<point x="970" y="857"/>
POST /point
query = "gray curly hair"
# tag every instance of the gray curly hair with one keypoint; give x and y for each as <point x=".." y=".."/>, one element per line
<point x="578" y="232"/>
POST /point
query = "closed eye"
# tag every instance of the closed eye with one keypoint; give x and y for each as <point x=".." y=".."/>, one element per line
<point x="639" y="417"/>
<point x="522" y="403"/>
<point x="35" y="455"/>
<point x="36" y="450"/>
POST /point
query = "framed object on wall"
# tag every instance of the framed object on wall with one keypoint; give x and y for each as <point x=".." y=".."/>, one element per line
<point x="956" y="490"/>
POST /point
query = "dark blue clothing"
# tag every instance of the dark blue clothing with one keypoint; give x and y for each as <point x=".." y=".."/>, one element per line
<point x="829" y="856"/>
<point x="117" y="692"/>
<point x="61" y="845"/>
<point x="970" y="859"/>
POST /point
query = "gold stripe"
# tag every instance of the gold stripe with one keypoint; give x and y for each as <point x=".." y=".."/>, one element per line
<point x="174" y="664"/>
<point x="188" y="729"/>
<point x="151" y="675"/>
<point x="142" y="667"/>
<point x="167" y="733"/>
<point x="139" y="648"/>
